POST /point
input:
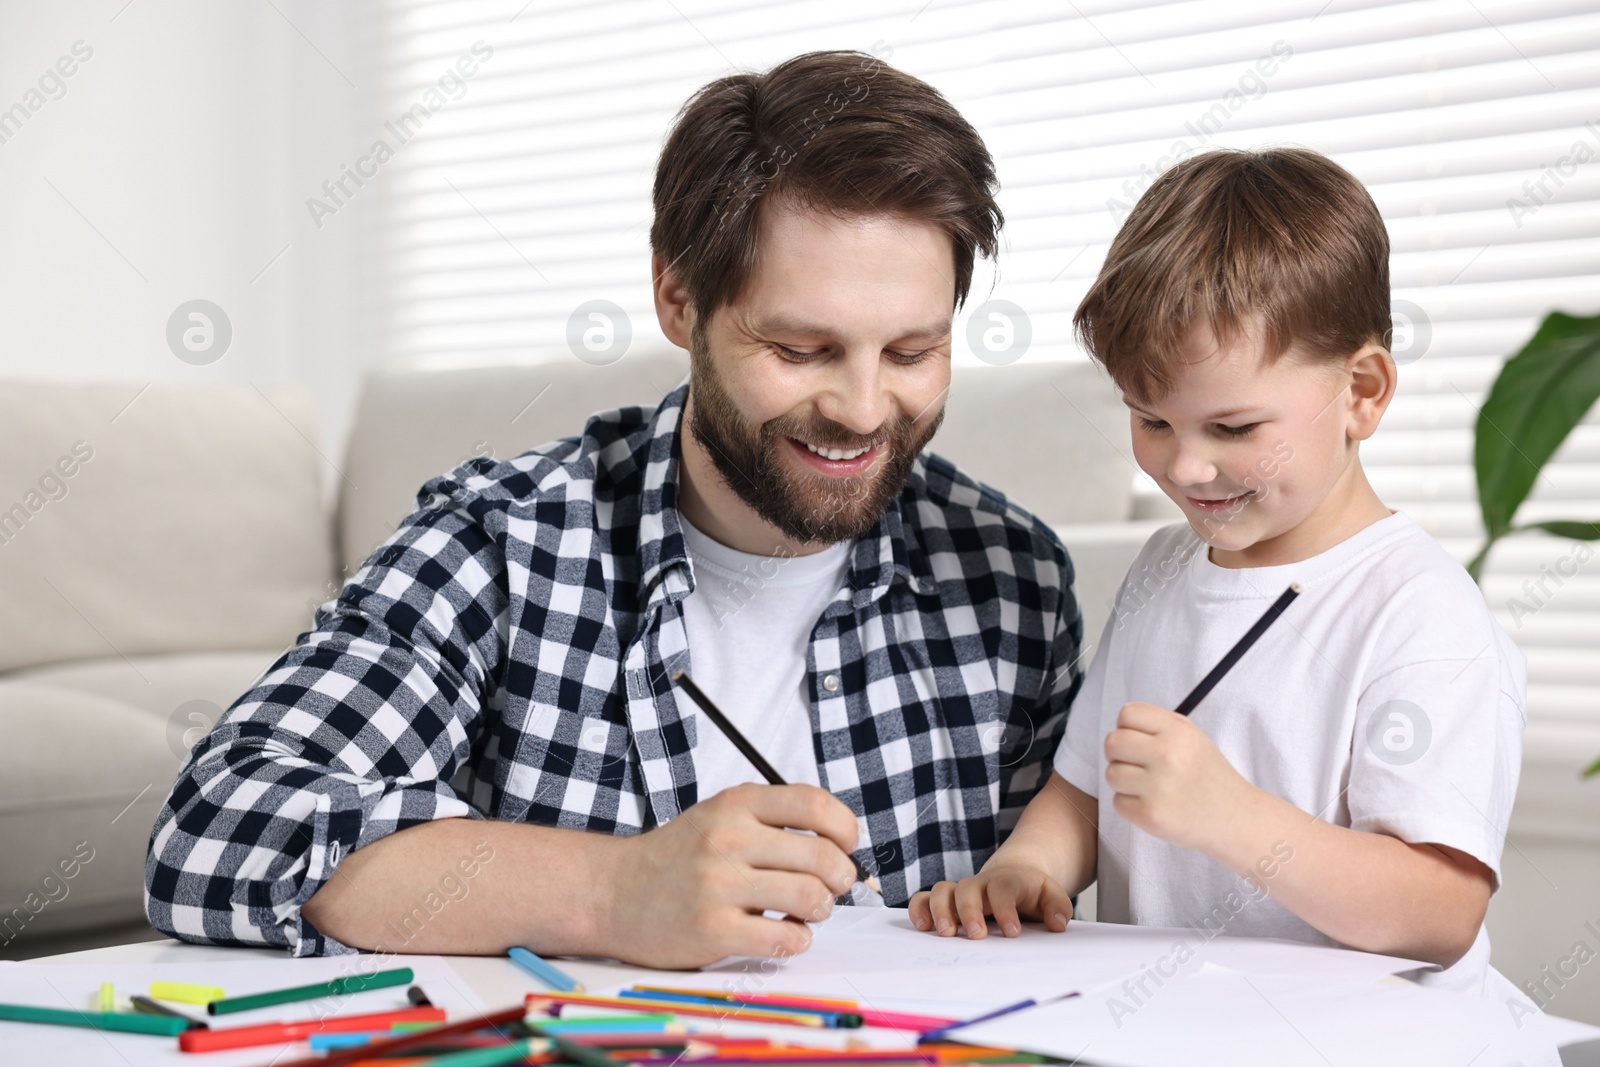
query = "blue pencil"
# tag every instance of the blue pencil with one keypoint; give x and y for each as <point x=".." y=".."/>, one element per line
<point x="938" y="1035"/>
<point x="545" y="971"/>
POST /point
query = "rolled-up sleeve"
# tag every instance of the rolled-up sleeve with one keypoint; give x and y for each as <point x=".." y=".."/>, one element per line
<point x="354" y="733"/>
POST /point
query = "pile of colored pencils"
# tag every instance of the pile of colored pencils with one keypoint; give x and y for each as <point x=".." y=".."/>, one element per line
<point x="655" y="1027"/>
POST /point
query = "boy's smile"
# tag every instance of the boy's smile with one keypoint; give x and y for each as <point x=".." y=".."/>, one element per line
<point x="1261" y="453"/>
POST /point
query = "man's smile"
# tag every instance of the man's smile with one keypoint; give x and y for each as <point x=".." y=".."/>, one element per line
<point x="837" y="462"/>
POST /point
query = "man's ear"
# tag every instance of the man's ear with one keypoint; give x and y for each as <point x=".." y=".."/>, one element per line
<point x="674" y="310"/>
<point x="1373" y="380"/>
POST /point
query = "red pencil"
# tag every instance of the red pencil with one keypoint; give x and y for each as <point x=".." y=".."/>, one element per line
<point x="279" y="1033"/>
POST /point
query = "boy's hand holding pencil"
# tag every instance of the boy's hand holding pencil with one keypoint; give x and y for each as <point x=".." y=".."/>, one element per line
<point x="1169" y="778"/>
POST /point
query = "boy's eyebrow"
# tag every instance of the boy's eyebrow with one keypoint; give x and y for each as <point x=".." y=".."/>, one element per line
<point x="1230" y="413"/>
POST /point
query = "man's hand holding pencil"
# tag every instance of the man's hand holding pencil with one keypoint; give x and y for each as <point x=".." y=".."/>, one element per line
<point x="693" y="890"/>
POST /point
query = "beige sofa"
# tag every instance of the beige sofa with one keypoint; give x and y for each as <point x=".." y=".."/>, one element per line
<point x="160" y="546"/>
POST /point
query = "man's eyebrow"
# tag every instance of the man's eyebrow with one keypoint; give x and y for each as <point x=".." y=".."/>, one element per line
<point x="783" y="324"/>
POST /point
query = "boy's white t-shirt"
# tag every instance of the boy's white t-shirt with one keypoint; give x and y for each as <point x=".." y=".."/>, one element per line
<point x="749" y="623"/>
<point x="1386" y="699"/>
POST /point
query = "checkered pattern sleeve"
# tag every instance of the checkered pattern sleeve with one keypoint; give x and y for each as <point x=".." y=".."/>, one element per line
<point x="1022" y="777"/>
<point x="353" y="734"/>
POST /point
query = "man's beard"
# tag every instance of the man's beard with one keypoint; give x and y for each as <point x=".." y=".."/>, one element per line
<point x="805" y="507"/>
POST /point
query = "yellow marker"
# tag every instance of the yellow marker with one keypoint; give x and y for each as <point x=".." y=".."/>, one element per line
<point x="185" y="993"/>
<point x="108" y="997"/>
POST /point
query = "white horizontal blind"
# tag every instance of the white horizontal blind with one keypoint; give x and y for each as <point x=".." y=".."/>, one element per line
<point x="530" y="194"/>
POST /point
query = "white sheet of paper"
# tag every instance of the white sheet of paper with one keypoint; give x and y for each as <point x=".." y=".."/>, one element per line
<point x="1213" y="1015"/>
<point x="77" y="985"/>
<point x="878" y="954"/>
<point x="875" y="957"/>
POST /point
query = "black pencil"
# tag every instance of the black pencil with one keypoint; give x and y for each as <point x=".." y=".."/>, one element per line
<point x="759" y="761"/>
<point x="1209" y="682"/>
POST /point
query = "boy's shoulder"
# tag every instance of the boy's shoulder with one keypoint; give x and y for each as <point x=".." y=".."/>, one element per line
<point x="1392" y="580"/>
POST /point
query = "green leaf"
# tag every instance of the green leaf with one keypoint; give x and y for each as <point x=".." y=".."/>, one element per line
<point x="1577" y="531"/>
<point x="1592" y="770"/>
<point x="1540" y="395"/>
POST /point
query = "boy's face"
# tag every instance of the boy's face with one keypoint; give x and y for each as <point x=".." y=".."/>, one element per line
<point x="1258" y="453"/>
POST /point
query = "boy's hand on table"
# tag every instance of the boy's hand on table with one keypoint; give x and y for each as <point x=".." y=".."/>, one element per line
<point x="1008" y="892"/>
<point x="1170" y="780"/>
<point x="692" y="891"/>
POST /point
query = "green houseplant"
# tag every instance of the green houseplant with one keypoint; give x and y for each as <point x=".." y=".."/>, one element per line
<point x="1537" y="399"/>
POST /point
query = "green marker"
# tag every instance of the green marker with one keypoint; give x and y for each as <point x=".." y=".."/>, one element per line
<point x="337" y="987"/>
<point x="127" y="1022"/>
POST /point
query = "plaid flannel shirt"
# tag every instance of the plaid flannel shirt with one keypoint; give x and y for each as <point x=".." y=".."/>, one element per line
<point x="508" y="653"/>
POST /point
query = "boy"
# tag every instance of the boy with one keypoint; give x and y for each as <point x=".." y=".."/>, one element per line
<point x="1350" y="780"/>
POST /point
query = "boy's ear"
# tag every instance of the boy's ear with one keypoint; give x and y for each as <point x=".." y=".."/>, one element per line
<point x="1373" y="380"/>
<point x="674" y="310"/>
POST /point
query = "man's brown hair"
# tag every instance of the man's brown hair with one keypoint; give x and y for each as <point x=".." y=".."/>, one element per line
<point x="837" y="131"/>
<point x="1284" y="235"/>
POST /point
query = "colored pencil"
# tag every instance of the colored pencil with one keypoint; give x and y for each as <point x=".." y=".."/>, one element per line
<point x="354" y="983"/>
<point x="545" y="971"/>
<point x="123" y="1021"/>
<point x="280" y="1033"/>
<point x="150" y="1007"/>
<point x="502" y="1018"/>
<point x="767" y="770"/>
<point x="825" y="1003"/>
<point x="1209" y="682"/>
<point x="569" y="1051"/>
<point x="830" y="1017"/>
<point x="515" y="1052"/>
<point x="898" y="1020"/>
<point x="643" y="1024"/>
<point x="938" y="1035"/>
<point x="324" y="1042"/>
<point x="676" y="1007"/>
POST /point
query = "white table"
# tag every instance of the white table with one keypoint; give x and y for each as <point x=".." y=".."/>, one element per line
<point x="495" y="980"/>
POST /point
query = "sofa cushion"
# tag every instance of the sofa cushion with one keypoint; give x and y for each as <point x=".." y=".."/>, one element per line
<point x="157" y="520"/>
<point x="162" y="686"/>
<point x="81" y="779"/>
<point x="94" y="748"/>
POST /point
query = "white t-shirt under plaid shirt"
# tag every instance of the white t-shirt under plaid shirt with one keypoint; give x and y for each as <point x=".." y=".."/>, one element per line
<point x="749" y="622"/>
<point x="1386" y="699"/>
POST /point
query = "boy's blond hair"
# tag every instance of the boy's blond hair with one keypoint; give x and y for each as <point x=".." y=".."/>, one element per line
<point x="1283" y="236"/>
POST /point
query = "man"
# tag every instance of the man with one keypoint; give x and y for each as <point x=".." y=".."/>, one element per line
<point x="492" y="694"/>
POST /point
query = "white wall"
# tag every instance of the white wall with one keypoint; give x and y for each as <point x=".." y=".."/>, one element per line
<point x="176" y="166"/>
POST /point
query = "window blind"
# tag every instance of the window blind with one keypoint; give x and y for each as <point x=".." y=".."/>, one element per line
<point x="1474" y="123"/>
